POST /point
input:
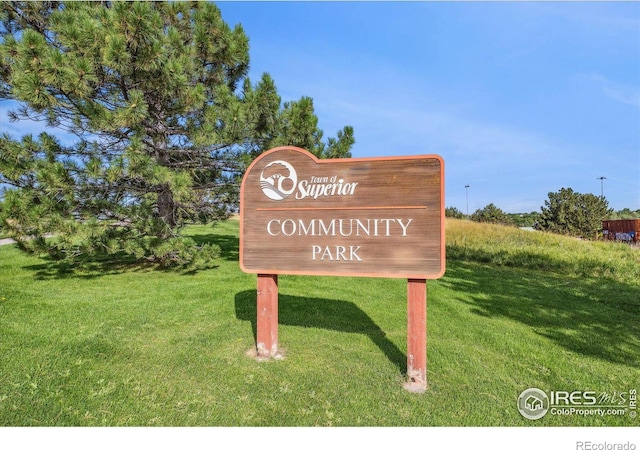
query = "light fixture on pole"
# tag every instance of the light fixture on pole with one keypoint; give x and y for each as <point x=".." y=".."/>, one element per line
<point x="466" y="188"/>
<point x="601" y="185"/>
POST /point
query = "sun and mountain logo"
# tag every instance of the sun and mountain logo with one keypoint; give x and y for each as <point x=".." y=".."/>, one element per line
<point x="278" y="180"/>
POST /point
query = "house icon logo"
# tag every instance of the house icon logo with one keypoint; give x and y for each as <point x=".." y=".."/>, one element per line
<point x="533" y="403"/>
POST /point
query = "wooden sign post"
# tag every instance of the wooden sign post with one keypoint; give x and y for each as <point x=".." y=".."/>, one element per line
<point x="267" y="320"/>
<point x="416" y="335"/>
<point x="368" y="217"/>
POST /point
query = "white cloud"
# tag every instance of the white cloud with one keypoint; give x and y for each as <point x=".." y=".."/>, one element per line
<point x="620" y="92"/>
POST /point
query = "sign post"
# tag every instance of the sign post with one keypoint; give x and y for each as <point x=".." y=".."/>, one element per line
<point x="366" y="217"/>
<point x="416" y="335"/>
<point x="267" y="320"/>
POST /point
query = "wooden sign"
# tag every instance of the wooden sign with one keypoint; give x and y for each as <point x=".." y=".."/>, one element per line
<point x="368" y="217"/>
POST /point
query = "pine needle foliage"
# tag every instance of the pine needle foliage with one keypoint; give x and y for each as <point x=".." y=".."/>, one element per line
<point x="573" y="214"/>
<point x="163" y="117"/>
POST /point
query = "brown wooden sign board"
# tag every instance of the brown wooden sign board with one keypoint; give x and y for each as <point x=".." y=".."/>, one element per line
<point x="367" y="217"/>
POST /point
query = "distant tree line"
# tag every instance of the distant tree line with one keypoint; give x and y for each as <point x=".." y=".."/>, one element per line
<point x="564" y="212"/>
<point x="625" y="213"/>
<point x="492" y="214"/>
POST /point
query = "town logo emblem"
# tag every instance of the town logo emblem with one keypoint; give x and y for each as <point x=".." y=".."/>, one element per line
<point x="278" y="180"/>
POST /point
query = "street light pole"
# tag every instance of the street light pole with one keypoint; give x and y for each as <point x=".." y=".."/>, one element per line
<point x="466" y="188"/>
<point x="601" y="185"/>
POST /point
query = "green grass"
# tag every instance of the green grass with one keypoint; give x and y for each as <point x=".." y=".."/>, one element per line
<point x="120" y="345"/>
<point x="511" y="247"/>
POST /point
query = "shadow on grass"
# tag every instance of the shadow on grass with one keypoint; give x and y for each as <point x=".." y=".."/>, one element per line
<point x="86" y="268"/>
<point x="94" y="267"/>
<point x="593" y="317"/>
<point x="335" y="315"/>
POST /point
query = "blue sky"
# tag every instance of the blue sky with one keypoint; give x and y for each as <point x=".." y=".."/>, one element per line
<point x="519" y="98"/>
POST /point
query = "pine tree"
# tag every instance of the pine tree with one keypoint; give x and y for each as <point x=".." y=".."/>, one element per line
<point x="454" y="213"/>
<point x="491" y="214"/>
<point x="164" y="119"/>
<point x="572" y="213"/>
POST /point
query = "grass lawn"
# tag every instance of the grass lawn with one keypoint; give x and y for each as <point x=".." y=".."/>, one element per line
<point x="122" y="345"/>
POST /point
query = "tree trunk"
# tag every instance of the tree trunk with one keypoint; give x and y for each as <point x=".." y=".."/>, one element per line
<point x="166" y="211"/>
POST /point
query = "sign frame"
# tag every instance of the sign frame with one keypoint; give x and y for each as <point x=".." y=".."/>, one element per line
<point x="382" y="268"/>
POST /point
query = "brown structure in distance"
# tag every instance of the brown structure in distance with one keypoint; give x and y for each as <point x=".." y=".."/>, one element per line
<point x="623" y="230"/>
